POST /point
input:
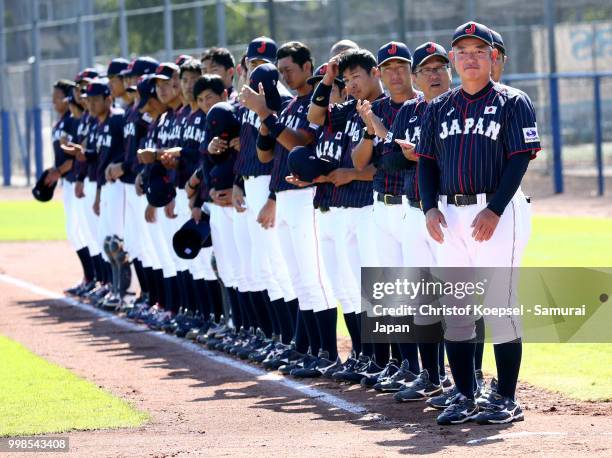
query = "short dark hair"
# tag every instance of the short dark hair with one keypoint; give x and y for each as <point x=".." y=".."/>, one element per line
<point x="65" y="86"/>
<point x="190" y="65"/>
<point x="352" y="58"/>
<point x="299" y="53"/>
<point x="208" y="81"/>
<point x="220" y="56"/>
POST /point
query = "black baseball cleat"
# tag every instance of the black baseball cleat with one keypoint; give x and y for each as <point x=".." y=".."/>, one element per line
<point x="75" y="290"/>
<point x="418" y="390"/>
<point x="487" y="394"/>
<point x="286" y="357"/>
<point x="481" y="386"/>
<point x="317" y="367"/>
<point x="460" y="410"/>
<point x="349" y="364"/>
<point x="443" y="400"/>
<point x="302" y="362"/>
<point x="86" y="288"/>
<point x="371" y="379"/>
<point x="499" y="410"/>
<point x="398" y="380"/>
<point x="352" y="373"/>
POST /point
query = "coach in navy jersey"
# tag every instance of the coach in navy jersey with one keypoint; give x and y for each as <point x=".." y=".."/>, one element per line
<point x="475" y="145"/>
<point x="431" y="75"/>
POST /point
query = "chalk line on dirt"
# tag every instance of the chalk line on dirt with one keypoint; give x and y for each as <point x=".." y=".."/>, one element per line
<point x="306" y="390"/>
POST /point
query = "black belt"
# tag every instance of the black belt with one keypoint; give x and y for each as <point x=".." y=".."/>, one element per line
<point x="415" y="204"/>
<point x="462" y="200"/>
<point x="389" y="199"/>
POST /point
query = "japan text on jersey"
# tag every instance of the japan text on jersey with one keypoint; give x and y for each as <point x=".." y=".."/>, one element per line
<point x="293" y="116"/>
<point x="472" y="137"/>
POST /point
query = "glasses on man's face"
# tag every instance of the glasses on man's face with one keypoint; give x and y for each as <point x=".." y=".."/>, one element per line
<point x="430" y="71"/>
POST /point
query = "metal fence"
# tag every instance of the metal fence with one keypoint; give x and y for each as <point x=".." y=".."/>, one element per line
<point x="548" y="42"/>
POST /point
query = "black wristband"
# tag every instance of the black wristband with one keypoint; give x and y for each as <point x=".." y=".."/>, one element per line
<point x="321" y="95"/>
<point x="272" y="196"/>
<point x="273" y="125"/>
<point x="368" y="136"/>
<point x="265" y="142"/>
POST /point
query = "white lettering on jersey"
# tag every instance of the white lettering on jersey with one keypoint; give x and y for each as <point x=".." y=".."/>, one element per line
<point x="469" y="128"/>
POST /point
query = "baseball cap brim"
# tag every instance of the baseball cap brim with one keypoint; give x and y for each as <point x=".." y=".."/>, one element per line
<point x="158" y="76"/>
<point x="264" y="58"/>
<point x="396" y="58"/>
<point x="435" y="54"/>
<point x="467" y="35"/>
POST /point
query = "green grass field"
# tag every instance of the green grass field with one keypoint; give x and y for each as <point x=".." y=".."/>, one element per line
<point x="581" y="371"/>
<point x="38" y="397"/>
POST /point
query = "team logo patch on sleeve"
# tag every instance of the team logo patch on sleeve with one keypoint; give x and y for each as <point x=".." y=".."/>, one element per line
<point x="490" y="110"/>
<point x="530" y="134"/>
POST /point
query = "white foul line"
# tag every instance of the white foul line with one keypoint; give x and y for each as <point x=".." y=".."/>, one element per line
<point x="497" y="437"/>
<point x="306" y="390"/>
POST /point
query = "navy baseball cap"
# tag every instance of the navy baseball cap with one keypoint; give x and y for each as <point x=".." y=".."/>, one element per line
<point x="305" y="165"/>
<point x="116" y="66"/>
<point x="262" y="48"/>
<point x="97" y="86"/>
<point x="41" y="191"/>
<point x="192" y="237"/>
<point x="160" y="189"/>
<point x="427" y="51"/>
<point x="498" y="41"/>
<point x="86" y="74"/>
<point x="141" y="66"/>
<point x="221" y="121"/>
<point x="318" y="76"/>
<point x="165" y="70"/>
<point x="180" y="60"/>
<point x="222" y="175"/>
<point x="473" y="30"/>
<point x="267" y="75"/>
<point x="146" y="90"/>
<point x="393" y="50"/>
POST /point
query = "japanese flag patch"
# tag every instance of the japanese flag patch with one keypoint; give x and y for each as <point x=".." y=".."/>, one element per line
<point x="530" y="134"/>
<point x="490" y="110"/>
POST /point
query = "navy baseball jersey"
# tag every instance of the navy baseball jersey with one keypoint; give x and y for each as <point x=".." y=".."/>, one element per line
<point x="345" y="119"/>
<point x="193" y="133"/>
<point x="58" y="131"/>
<point x="247" y="162"/>
<point x="406" y="126"/>
<point x="293" y="116"/>
<point x="86" y="136"/>
<point x="471" y="137"/>
<point x="109" y="142"/>
<point x="134" y="132"/>
<point x="385" y="181"/>
<point x="329" y="146"/>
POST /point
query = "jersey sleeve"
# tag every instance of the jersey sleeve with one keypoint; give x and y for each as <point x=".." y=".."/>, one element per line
<point x="521" y="130"/>
<point x="427" y="139"/>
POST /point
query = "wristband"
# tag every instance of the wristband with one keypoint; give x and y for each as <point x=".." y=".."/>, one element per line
<point x="273" y="125"/>
<point x="321" y="95"/>
<point x="265" y="142"/>
<point x="368" y="136"/>
<point x="272" y="196"/>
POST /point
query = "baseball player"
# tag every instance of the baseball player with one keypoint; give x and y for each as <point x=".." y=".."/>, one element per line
<point x="137" y="238"/>
<point x="219" y="61"/>
<point x="61" y="133"/>
<point x="85" y="185"/>
<point x="270" y="291"/>
<point x="295" y="217"/>
<point x="475" y="145"/>
<point x="352" y="192"/>
<point x="431" y="74"/>
<point x="394" y="60"/>
<point x="109" y="200"/>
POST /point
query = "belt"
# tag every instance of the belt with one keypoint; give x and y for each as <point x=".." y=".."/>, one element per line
<point x="415" y="203"/>
<point x="462" y="200"/>
<point x="389" y="199"/>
